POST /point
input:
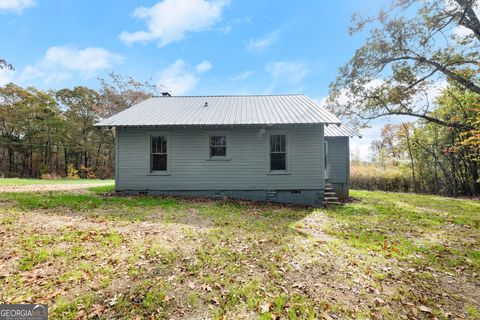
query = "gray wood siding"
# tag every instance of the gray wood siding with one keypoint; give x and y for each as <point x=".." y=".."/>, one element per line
<point x="246" y="169"/>
<point x="338" y="159"/>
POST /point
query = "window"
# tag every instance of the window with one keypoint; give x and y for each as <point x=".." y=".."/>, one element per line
<point x="158" y="154"/>
<point x="278" y="153"/>
<point x="218" y="146"/>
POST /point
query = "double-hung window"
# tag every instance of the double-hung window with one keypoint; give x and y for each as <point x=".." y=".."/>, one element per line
<point x="278" y="152"/>
<point x="158" y="154"/>
<point x="218" y="146"/>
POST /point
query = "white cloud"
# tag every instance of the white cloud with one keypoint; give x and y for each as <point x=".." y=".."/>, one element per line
<point x="462" y="31"/>
<point x="170" y="20"/>
<point x="179" y="78"/>
<point x="16" y="5"/>
<point x="6" y="76"/>
<point x="322" y="102"/>
<point x="225" y="30"/>
<point x="245" y="19"/>
<point x="60" y="63"/>
<point x="229" y="26"/>
<point x="242" y="76"/>
<point x="291" y="72"/>
<point x="261" y="44"/>
<point x="204" y="66"/>
<point x="288" y="75"/>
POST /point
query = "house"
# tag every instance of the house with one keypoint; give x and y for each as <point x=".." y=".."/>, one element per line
<point x="282" y="148"/>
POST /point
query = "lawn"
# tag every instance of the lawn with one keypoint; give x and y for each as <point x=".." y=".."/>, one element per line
<point x="26" y="182"/>
<point x="385" y="255"/>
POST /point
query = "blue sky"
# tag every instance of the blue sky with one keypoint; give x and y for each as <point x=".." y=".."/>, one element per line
<point x="193" y="47"/>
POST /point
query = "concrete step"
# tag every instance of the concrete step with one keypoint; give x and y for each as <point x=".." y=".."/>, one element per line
<point x="331" y="198"/>
<point x="333" y="202"/>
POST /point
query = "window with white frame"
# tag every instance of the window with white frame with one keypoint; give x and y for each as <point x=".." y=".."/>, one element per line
<point x="278" y="152"/>
<point x="218" y="146"/>
<point x="158" y="154"/>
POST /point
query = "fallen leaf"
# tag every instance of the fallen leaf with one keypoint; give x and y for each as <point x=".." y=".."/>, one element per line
<point x="265" y="307"/>
<point x="298" y="285"/>
<point x="206" y="287"/>
<point x="424" y="309"/>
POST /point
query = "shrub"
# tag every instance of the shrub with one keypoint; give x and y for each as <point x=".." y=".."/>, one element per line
<point x="371" y="177"/>
<point x="72" y="173"/>
<point x="50" y="176"/>
<point x="88" y="172"/>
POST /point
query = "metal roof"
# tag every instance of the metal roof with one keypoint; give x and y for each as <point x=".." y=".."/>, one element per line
<point x="340" y="131"/>
<point x="222" y="110"/>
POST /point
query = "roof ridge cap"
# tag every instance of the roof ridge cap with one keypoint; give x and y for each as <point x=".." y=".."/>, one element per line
<point x="234" y="95"/>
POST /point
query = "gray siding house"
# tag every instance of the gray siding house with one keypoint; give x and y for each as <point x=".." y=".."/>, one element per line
<point x="282" y="148"/>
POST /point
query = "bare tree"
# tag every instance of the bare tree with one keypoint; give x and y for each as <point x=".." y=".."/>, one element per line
<point x="121" y="92"/>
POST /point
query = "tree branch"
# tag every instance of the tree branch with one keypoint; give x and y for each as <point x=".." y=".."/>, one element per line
<point x="450" y="74"/>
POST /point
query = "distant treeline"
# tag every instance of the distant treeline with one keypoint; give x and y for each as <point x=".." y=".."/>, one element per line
<point x="50" y="134"/>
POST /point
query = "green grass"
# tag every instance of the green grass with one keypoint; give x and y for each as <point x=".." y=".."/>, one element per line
<point x="26" y="182"/>
<point x="434" y="230"/>
<point x="84" y="202"/>
<point x="97" y="254"/>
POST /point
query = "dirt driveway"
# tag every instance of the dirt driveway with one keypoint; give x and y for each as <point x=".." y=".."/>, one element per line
<point x="50" y="187"/>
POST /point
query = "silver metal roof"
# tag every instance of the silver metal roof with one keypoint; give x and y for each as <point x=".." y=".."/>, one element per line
<point x="340" y="131"/>
<point x="222" y="110"/>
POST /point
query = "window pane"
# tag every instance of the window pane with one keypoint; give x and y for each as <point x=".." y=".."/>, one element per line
<point x="159" y="162"/>
<point x="277" y="161"/>
<point x="154" y="144"/>
<point x="277" y="143"/>
<point x="162" y="145"/>
<point x="159" y="145"/>
<point x="218" y="141"/>
<point x="218" y="151"/>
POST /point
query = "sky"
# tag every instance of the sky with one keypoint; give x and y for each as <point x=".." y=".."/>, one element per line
<point x="189" y="47"/>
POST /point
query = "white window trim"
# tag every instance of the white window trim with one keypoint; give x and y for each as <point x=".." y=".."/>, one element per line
<point x="287" y="151"/>
<point x="226" y="134"/>
<point x="149" y="163"/>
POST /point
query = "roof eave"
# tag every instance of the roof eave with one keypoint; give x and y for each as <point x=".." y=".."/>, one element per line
<point x="99" y="124"/>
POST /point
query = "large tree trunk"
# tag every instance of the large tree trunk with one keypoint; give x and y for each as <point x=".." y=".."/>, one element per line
<point x="11" y="161"/>
<point x="65" y="162"/>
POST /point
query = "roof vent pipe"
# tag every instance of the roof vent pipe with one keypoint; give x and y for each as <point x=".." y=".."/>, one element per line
<point x="206" y="105"/>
